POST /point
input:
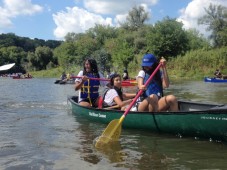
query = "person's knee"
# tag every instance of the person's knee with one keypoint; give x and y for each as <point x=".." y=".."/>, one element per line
<point x="171" y="99"/>
<point x="86" y="104"/>
<point x="153" y="97"/>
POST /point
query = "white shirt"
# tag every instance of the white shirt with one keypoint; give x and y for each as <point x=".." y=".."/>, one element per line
<point x="141" y="74"/>
<point x="109" y="97"/>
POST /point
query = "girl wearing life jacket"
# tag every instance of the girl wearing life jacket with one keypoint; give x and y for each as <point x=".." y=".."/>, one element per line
<point x="153" y="93"/>
<point x="89" y="89"/>
<point x="114" y="95"/>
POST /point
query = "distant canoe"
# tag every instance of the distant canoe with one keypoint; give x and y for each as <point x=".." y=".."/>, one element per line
<point x="215" y="80"/>
<point x="71" y="81"/>
<point x="15" y="77"/>
<point x="193" y="119"/>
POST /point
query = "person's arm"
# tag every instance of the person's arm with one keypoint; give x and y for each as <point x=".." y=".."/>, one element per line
<point x="140" y="79"/>
<point x="80" y="81"/>
<point x="165" y="77"/>
<point x="121" y="103"/>
<point x="129" y="95"/>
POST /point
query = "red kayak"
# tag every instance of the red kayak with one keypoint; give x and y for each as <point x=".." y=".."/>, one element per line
<point x="127" y="83"/>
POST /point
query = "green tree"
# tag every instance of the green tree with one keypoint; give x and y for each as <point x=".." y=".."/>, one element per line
<point x="216" y="21"/>
<point x="85" y="48"/>
<point x="33" y="63"/>
<point x="72" y="37"/>
<point x="135" y="18"/>
<point x="123" y="53"/>
<point x="44" y="55"/>
<point x="66" y="54"/>
<point x="103" y="59"/>
<point x="101" y="33"/>
<point x="196" y="40"/>
<point x="167" y="38"/>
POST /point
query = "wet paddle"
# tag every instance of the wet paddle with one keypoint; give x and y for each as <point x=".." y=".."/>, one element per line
<point x="113" y="130"/>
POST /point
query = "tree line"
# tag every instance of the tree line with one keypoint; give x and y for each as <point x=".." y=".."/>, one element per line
<point x="116" y="48"/>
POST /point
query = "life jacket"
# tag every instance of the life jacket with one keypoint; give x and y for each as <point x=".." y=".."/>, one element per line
<point x="90" y="88"/>
<point x="154" y="87"/>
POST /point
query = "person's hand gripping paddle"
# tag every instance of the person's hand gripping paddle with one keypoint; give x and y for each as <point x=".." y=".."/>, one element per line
<point x="113" y="130"/>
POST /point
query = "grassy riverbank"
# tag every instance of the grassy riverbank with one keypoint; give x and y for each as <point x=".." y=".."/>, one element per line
<point x="198" y="64"/>
<point x="193" y="65"/>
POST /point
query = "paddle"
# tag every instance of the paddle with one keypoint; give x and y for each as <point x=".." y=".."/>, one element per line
<point x="113" y="130"/>
<point x="103" y="79"/>
<point x="6" y="67"/>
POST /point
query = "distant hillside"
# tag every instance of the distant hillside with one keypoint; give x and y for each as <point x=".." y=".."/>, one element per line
<point x="10" y="39"/>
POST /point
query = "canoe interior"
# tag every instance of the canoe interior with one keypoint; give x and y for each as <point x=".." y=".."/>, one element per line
<point x="185" y="106"/>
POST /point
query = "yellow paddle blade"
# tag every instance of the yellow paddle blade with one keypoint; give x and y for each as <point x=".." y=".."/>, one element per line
<point x="111" y="133"/>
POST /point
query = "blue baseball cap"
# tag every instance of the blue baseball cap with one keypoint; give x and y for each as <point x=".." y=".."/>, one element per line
<point x="148" y="60"/>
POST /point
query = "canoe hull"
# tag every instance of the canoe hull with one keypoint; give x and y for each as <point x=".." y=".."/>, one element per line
<point x="210" y="123"/>
<point x="215" y="80"/>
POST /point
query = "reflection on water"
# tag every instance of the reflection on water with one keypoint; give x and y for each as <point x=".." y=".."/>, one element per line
<point x="144" y="150"/>
<point x="39" y="131"/>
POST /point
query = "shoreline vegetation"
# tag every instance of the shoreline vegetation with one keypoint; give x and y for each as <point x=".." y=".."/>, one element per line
<point x="194" y="65"/>
<point x="189" y="54"/>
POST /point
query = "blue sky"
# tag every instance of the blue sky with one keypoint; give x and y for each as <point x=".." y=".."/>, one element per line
<point x="52" y="19"/>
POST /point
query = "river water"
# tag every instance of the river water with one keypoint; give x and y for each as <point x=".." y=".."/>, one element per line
<point x="38" y="131"/>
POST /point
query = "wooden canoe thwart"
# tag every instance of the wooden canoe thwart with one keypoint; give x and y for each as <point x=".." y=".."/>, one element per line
<point x="194" y="119"/>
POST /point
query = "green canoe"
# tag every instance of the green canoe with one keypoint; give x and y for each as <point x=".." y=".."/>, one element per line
<point x="194" y="119"/>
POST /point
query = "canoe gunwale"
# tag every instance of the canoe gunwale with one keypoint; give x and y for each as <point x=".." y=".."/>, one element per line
<point x="214" y="108"/>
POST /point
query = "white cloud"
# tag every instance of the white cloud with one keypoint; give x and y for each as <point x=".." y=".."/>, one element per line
<point x="114" y="7"/>
<point x="14" y="8"/>
<point x="79" y="20"/>
<point x="194" y="10"/>
<point x="76" y="20"/>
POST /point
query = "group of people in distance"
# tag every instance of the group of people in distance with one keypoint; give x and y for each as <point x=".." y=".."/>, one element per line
<point x="152" y="98"/>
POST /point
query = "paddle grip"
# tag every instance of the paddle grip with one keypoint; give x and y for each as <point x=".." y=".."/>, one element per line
<point x="141" y="91"/>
